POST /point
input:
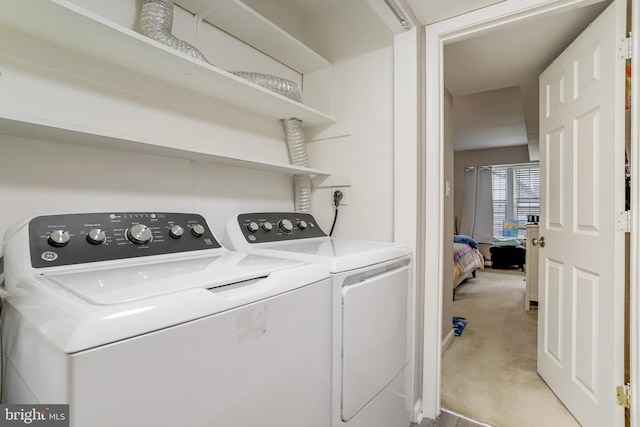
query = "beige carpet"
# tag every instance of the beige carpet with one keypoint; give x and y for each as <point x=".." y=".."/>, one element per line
<point x="489" y="372"/>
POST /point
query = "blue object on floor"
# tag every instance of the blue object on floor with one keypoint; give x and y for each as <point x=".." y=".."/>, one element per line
<point x="458" y="325"/>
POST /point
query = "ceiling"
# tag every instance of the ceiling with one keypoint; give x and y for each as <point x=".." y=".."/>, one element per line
<point x="311" y="8"/>
<point x="493" y="77"/>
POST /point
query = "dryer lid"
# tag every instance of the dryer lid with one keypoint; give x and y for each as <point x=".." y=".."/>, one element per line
<point x="337" y="254"/>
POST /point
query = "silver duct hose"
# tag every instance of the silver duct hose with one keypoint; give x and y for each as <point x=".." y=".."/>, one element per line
<point x="156" y="22"/>
<point x="276" y="84"/>
<point x="298" y="156"/>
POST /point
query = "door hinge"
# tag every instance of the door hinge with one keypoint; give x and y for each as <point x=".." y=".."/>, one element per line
<point x="624" y="222"/>
<point x="624" y="48"/>
<point x="624" y="395"/>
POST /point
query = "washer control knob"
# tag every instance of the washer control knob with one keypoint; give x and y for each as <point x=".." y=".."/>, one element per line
<point x="96" y="236"/>
<point x="302" y="225"/>
<point x="59" y="238"/>
<point x="139" y="234"/>
<point x="176" y="231"/>
<point x="267" y="226"/>
<point x="252" y="226"/>
<point x="285" y="225"/>
<point x="197" y="230"/>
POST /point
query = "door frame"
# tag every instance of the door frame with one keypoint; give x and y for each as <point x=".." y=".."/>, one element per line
<point x="436" y="37"/>
<point x="635" y="218"/>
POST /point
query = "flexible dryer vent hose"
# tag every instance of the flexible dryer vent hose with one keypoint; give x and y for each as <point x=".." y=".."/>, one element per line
<point x="156" y="22"/>
<point x="298" y="156"/>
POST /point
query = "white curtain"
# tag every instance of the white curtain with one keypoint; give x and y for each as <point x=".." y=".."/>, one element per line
<point x="477" y="210"/>
<point x="469" y="203"/>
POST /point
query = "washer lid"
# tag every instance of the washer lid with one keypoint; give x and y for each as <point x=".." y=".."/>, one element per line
<point x="85" y="308"/>
<point x="117" y="285"/>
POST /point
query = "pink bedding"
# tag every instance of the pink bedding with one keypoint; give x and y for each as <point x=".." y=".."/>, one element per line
<point x="465" y="260"/>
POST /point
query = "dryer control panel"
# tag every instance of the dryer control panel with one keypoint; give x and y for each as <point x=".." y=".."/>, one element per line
<point x="278" y="226"/>
<point x="56" y="240"/>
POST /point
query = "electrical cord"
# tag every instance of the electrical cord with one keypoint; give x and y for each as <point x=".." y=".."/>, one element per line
<point x="335" y="217"/>
<point x="337" y="197"/>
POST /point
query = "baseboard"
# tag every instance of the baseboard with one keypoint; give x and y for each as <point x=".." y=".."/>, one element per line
<point x="446" y="342"/>
<point x="418" y="414"/>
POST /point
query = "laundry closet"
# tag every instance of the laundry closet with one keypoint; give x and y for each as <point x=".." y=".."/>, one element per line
<point x="96" y="117"/>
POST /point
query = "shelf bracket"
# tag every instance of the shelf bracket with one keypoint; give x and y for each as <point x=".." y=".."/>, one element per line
<point x="202" y="15"/>
<point x="338" y="130"/>
<point x="334" y="180"/>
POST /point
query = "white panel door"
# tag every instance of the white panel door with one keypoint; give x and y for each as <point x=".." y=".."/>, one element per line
<point x="581" y="269"/>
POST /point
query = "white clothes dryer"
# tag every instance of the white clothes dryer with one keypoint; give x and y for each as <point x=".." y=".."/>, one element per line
<point x="372" y="312"/>
<point x="143" y="319"/>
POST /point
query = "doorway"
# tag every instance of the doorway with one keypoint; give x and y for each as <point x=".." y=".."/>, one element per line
<point x="489" y="371"/>
<point x="437" y="36"/>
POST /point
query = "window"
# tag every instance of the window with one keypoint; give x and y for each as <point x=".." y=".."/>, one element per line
<point x="516" y="195"/>
<point x="499" y="196"/>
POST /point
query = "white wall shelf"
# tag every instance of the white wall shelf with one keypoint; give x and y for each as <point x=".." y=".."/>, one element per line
<point x="242" y="22"/>
<point x="79" y="30"/>
<point x="36" y="131"/>
<point x="34" y="31"/>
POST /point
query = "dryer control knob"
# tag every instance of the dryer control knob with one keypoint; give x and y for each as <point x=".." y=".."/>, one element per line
<point x="176" y="231"/>
<point x="197" y="230"/>
<point x="302" y="225"/>
<point x="96" y="236"/>
<point x="285" y="225"/>
<point x="252" y="226"/>
<point x="267" y="226"/>
<point x="59" y="238"/>
<point x="139" y="234"/>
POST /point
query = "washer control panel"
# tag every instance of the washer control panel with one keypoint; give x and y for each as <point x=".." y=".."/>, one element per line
<point x="56" y="240"/>
<point x="278" y="226"/>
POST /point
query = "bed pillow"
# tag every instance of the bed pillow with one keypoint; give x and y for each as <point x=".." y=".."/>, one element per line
<point x="461" y="238"/>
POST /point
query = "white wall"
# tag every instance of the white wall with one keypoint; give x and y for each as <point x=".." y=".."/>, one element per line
<point x="367" y="154"/>
<point x="361" y="49"/>
<point x="407" y="212"/>
<point x="39" y="177"/>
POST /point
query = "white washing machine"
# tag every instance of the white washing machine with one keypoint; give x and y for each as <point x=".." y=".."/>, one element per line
<point x="371" y="374"/>
<point x="143" y="319"/>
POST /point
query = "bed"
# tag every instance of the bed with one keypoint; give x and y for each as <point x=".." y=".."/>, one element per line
<point x="466" y="259"/>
